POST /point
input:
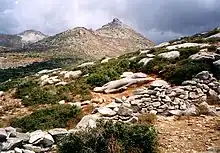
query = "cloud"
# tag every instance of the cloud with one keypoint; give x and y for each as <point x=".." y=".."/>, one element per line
<point x="159" y="20"/>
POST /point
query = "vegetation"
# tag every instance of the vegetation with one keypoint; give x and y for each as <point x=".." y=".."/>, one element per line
<point x="112" y="138"/>
<point x="147" y="118"/>
<point x="49" y="118"/>
<point x="13" y="73"/>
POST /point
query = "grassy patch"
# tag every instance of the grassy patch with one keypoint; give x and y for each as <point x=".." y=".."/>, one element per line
<point x="49" y="118"/>
<point x="112" y="138"/>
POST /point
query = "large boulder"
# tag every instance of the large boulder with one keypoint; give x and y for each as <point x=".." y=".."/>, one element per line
<point x="58" y="132"/>
<point x="205" y="56"/>
<point x="217" y="64"/>
<point x="170" y="55"/>
<point x="124" y="111"/>
<point x="88" y="121"/>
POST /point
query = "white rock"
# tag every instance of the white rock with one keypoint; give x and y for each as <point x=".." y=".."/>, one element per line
<point x="58" y="132"/>
<point x="159" y="83"/>
<point x="176" y="112"/>
<point x="113" y="105"/>
<point x="86" y="64"/>
<point x="143" y="52"/>
<point x="48" y="139"/>
<point x="36" y="136"/>
<point x="104" y="111"/>
<point x="88" y="121"/>
<point x="18" y="150"/>
<point x="3" y="134"/>
<point x="73" y="74"/>
<point x="205" y="56"/>
<point x="1" y="93"/>
<point x="162" y="45"/>
<point x="145" y="61"/>
<point x="105" y="60"/>
<point x="61" y="84"/>
<point x="186" y="45"/>
<point x="62" y="102"/>
<point x="170" y="55"/>
<point x="42" y="78"/>
<point x="153" y="112"/>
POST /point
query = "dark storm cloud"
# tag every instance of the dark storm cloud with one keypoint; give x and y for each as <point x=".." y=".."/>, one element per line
<point x="159" y="20"/>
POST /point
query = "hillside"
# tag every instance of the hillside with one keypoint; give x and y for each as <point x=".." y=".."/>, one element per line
<point x="112" y="40"/>
<point x="20" y="40"/>
<point x="162" y="99"/>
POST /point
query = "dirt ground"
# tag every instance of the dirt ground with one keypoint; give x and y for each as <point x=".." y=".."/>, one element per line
<point x="187" y="134"/>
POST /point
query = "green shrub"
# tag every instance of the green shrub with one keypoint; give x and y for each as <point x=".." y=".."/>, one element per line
<point x="31" y="94"/>
<point x="112" y="138"/>
<point x="54" y="117"/>
<point x="185" y="70"/>
<point x="187" y="52"/>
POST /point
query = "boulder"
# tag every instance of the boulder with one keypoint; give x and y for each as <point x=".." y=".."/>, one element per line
<point x="104" y="111"/>
<point x="3" y="135"/>
<point x="73" y="74"/>
<point x="191" y="111"/>
<point x="105" y="60"/>
<point x="18" y="150"/>
<point x="1" y="93"/>
<point x="205" y="56"/>
<point x="217" y="64"/>
<point x="145" y="61"/>
<point x="30" y="147"/>
<point x="36" y="136"/>
<point x="11" y="143"/>
<point x="170" y="55"/>
<point x="88" y="121"/>
<point x="175" y="112"/>
<point x="47" y="140"/>
<point x="186" y="45"/>
<point x="113" y="105"/>
<point x="144" y="52"/>
<point x="61" y="83"/>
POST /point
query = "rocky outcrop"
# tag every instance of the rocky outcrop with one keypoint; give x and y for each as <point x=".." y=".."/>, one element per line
<point x="170" y="55"/>
<point x="205" y="56"/>
<point x="186" y="45"/>
<point x="124" y="83"/>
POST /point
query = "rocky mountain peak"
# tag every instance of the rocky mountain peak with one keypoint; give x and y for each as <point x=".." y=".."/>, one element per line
<point x="115" y="23"/>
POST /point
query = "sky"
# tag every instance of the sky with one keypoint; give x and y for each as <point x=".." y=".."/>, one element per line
<point x="158" y="20"/>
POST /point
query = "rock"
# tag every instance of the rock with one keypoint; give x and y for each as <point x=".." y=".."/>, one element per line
<point x="144" y="52"/>
<point x="156" y="104"/>
<point x="127" y="74"/>
<point x="186" y="45"/>
<point x="217" y="64"/>
<point x="145" y="61"/>
<point x="44" y="77"/>
<point x="164" y="44"/>
<point x="193" y="95"/>
<point x="124" y="111"/>
<point x="28" y="151"/>
<point x="48" y="140"/>
<point x="213" y="97"/>
<point x="3" y="135"/>
<point x="11" y="143"/>
<point x="105" y="60"/>
<point x="159" y="83"/>
<point x="153" y="112"/>
<point x="170" y="55"/>
<point x="61" y="84"/>
<point x="189" y="82"/>
<point x="86" y="64"/>
<point x="73" y="74"/>
<point x="132" y="120"/>
<point x="1" y="93"/>
<point x="32" y="148"/>
<point x="24" y="136"/>
<point x="10" y="129"/>
<point x="191" y="111"/>
<point x="113" y="105"/>
<point x="88" y="121"/>
<point x="150" y="55"/>
<point x="204" y="75"/>
<point x="58" y="132"/>
<point x="62" y="102"/>
<point x="18" y="150"/>
<point x="175" y="112"/>
<point x="104" y="111"/>
<point x="36" y="136"/>
<point x="77" y="104"/>
<point x="205" y="56"/>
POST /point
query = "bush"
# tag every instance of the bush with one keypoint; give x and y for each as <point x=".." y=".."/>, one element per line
<point x="31" y="94"/>
<point x="147" y="118"/>
<point x="112" y="138"/>
<point x="49" y="118"/>
<point x="185" y="70"/>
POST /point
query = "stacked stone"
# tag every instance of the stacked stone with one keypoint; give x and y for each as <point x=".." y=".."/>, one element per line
<point x="13" y="141"/>
<point x="161" y="98"/>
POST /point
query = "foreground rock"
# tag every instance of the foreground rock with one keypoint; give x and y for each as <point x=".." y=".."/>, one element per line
<point x="170" y="55"/>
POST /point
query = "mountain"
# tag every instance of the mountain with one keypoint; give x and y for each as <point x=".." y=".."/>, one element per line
<point x="19" y="40"/>
<point x="111" y="40"/>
